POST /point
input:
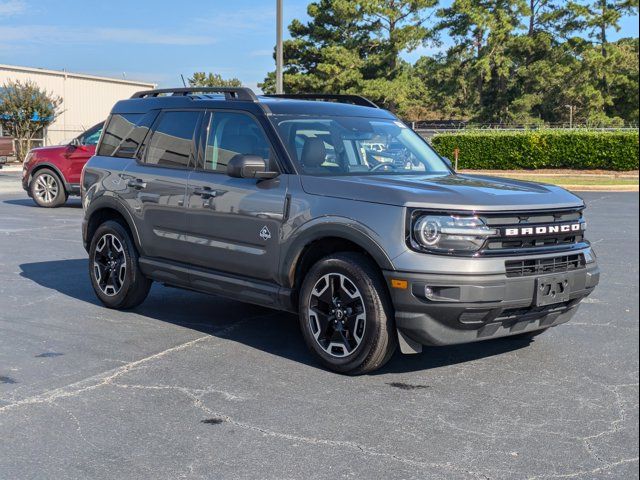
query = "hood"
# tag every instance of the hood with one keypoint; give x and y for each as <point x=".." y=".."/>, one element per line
<point x="49" y="149"/>
<point x="450" y="192"/>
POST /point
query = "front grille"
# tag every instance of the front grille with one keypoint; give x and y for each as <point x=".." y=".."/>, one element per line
<point x="530" y="313"/>
<point x="540" y="266"/>
<point x="552" y="240"/>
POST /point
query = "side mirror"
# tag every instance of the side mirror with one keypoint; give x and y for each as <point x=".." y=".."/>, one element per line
<point x="75" y="143"/>
<point x="249" y="166"/>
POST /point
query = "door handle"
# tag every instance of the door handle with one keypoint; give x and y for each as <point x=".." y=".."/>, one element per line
<point x="138" y="184"/>
<point x="204" y="192"/>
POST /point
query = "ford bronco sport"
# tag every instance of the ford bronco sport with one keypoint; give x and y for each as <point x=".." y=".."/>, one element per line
<point x="280" y="201"/>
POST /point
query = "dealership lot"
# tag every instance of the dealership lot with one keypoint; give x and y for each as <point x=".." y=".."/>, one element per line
<point x="193" y="386"/>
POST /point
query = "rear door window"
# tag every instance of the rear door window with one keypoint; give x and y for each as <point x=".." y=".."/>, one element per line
<point x="172" y="142"/>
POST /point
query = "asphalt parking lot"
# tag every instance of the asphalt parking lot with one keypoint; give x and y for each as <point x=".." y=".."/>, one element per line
<point x="193" y="386"/>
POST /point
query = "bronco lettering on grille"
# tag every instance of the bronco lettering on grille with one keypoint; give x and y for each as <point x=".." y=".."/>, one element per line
<point x="544" y="230"/>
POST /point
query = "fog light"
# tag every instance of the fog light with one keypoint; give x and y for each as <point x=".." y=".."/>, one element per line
<point x="589" y="256"/>
<point x="428" y="292"/>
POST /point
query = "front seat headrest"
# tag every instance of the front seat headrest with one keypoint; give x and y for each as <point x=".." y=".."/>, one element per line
<point x="314" y="152"/>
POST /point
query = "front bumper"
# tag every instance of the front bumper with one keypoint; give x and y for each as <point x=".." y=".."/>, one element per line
<point x="470" y="308"/>
<point x="25" y="181"/>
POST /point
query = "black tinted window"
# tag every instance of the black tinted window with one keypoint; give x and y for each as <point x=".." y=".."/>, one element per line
<point x="230" y="134"/>
<point x="129" y="146"/>
<point x="118" y="129"/>
<point x="171" y="144"/>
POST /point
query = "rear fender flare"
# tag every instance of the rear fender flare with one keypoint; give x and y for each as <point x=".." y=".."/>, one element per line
<point x="109" y="202"/>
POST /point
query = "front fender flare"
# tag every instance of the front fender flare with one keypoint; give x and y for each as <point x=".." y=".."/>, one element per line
<point x="330" y="226"/>
<point x="50" y="166"/>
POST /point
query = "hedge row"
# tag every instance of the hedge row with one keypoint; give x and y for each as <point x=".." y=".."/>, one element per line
<point x="500" y="150"/>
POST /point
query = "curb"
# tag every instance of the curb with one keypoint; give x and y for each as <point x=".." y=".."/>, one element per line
<point x="543" y="175"/>
<point x="11" y="168"/>
<point x="600" y="188"/>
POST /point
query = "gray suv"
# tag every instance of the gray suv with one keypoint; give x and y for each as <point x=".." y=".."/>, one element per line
<point x="329" y="207"/>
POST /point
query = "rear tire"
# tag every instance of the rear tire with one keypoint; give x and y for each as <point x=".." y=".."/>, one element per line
<point x="47" y="189"/>
<point x="346" y="315"/>
<point x="113" y="268"/>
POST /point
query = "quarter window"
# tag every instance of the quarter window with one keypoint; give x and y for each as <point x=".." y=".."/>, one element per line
<point x="230" y="134"/>
<point x="129" y="146"/>
<point x="118" y="128"/>
<point x="171" y="144"/>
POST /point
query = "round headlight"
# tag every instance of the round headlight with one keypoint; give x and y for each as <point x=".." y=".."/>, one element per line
<point x="428" y="230"/>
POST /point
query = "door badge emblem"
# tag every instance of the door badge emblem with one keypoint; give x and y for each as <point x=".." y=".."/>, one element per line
<point x="265" y="234"/>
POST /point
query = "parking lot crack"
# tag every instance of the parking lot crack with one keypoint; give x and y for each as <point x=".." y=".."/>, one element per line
<point x="196" y="399"/>
<point x="97" y="381"/>
<point x="107" y="378"/>
<point x="78" y="425"/>
<point x="586" y="473"/>
<point x="188" y="391"/>
<point x="614" y="425"/>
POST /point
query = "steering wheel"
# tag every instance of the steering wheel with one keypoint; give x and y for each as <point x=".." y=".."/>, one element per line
<point x="385" y="166"/>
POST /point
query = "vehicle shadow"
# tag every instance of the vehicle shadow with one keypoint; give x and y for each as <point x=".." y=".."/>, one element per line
<point x="74" y="203"/>
<point x="268" y="330"/>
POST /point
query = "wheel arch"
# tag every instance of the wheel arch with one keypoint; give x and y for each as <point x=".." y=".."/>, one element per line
<point x="109" y="209"/>
<point x="325" y="239"/>
<point x="52" y="167"/>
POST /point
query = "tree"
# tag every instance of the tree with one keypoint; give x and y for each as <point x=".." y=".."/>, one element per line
<point x="596" y="17"/>
<point x="624" y="84"/>
<point x="486" y="28"/>
<point x="26" y="109"/>
<point x="398" y="26"/>
<point x="202" y="79"/>
<point x="541" y="13"/>
<point x="355" y="47"/>
<point x="512" y="61"/>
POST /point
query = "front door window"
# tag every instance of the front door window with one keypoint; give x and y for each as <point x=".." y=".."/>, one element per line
<point x="230" y="134"/>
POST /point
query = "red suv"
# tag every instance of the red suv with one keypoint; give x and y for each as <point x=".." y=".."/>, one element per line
<point x="51" y="174"/>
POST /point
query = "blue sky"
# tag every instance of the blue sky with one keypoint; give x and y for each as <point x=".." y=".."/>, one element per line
<point x="154" y="41"/>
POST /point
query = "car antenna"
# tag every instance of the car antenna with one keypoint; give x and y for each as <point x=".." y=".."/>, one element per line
<point x="183" y="82"/>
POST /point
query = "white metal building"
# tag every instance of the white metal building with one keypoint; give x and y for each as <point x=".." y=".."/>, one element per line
<point x="86" y="99"/>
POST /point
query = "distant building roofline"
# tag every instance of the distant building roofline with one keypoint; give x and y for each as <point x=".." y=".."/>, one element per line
<point x="64" y="73"/>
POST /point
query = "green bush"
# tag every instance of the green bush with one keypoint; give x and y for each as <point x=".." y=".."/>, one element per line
<point x="531" y="149"/>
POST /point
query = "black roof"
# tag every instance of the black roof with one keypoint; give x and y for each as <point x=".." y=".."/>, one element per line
<point x="245" y="99"/>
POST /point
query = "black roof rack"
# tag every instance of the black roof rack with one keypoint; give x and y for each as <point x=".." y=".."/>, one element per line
<point x="230" y="93"/>
<point x="328" y="97"/>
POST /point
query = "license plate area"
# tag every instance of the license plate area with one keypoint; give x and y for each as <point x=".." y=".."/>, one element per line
<point x="552" y="289"/>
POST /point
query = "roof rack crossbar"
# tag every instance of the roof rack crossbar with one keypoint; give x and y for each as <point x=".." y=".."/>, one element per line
<point x="230" y="93"/>
<point x="328" y="97"/>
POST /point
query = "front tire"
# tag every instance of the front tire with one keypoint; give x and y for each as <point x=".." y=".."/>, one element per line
<point x="346" y="315"/>
<point x="47" y="189"/>
<point x="113" y="268"/>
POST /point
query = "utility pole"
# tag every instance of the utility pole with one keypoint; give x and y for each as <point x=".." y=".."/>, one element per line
<point x="279" y="56"/>
<point x="571" y="108"/>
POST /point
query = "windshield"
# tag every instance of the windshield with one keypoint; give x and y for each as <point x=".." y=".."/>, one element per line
<point x="356" y="146"/>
